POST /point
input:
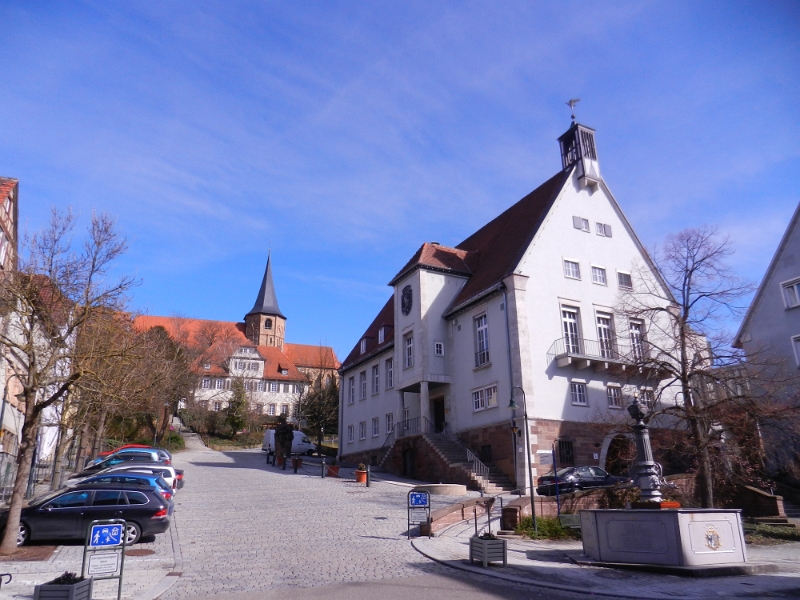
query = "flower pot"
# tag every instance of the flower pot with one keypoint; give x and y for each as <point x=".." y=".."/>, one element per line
<point x="487" y="551"/>
<point x="361" y="476"/>
<point x="297" y="462"/>
<point x="332" y="470"/>
<point x="279" y="460"/>
<point x="74" y="591"/>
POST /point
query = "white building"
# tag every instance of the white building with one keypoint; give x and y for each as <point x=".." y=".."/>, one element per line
<point x="770" y="330"/>
<point x="527" y="303"/>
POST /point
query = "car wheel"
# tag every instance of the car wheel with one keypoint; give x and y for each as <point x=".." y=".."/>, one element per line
<point x="310" y="453"/>
<point x="132" y="533"/>
<point x="24" y="535"/>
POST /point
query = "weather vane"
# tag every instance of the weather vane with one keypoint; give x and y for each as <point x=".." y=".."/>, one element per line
<point x="572" y="104"/>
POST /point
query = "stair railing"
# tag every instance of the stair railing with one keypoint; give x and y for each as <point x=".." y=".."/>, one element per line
<point x="478" y="468"/>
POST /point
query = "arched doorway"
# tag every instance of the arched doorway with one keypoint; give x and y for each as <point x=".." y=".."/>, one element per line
<point x="618" y="453"/>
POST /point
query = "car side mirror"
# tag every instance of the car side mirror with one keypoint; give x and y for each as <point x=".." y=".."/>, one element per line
<point x="48" y="508"/>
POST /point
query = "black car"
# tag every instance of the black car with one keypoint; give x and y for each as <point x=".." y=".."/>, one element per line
<point x="570" y="479"/>
<point x="67" y="513"/>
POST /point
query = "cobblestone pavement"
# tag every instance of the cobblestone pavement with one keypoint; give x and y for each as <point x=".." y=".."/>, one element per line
<point x="247" y="527"/>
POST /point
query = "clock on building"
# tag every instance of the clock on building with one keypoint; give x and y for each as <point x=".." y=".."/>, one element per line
<point x="405" y="300"/>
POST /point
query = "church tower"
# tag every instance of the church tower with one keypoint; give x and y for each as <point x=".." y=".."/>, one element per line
<point x="265" y="325"/>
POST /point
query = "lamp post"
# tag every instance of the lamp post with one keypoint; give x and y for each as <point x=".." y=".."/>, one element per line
<point x="512" y="405"/>
<point x="648" y="476"/>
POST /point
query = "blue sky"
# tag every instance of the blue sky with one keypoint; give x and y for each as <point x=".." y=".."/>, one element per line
<point x="342" y="135"/>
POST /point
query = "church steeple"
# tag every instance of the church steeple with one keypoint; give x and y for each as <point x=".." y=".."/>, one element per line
<point x="577" y="148"/>
<point x="265" y="324"/>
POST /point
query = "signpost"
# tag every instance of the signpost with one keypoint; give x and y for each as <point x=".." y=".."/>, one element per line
<point x="419" y="510"/>
<point x="104" y="551"/>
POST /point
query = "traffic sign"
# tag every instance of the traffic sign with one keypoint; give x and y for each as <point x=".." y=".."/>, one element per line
<point x="106" y="535"/>
<point x="106" y="563"/>
<point x="418" y="499"/>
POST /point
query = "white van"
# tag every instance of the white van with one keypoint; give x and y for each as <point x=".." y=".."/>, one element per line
<point x="300" y="445"/>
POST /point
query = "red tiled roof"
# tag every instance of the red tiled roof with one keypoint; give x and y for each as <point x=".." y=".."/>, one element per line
<point x="487" y="256"/>
<point x="305" y="355"/>
<point x="7" y="184"/>
<point x="218" y="340"/>
<point x="385" y="318"/>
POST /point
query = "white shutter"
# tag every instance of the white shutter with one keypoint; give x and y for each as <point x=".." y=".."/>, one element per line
<point x="577" y="222"/>
<point x="607" y="229"/>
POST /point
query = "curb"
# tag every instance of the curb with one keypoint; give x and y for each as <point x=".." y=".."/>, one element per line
<point x="173" y="576"/>
<point x="543" y="584"/>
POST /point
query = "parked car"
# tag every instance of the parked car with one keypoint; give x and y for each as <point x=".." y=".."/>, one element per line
<point x="167" y="472"/>
<point x="163" y="455"/>
<point x="139" y="456"/>
<point x="300" y="445"/>
<point x="126" y="446"/>
<point x="67" y="513"/>
<point x="141" y="479"/>
<point x="570" y="479"/>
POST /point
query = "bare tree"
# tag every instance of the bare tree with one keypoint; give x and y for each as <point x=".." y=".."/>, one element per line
<point x="47" y="304"/>
<point x="319" y="406"/>
<point x="701" y="384"/>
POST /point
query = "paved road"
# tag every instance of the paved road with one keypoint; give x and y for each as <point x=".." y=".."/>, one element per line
<point x="250" y="531"/>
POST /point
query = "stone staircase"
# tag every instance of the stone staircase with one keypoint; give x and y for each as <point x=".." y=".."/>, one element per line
<point x="455" y="454"/>
<point x="792" y="510"/>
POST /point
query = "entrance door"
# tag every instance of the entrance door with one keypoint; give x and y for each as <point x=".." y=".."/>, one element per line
<point x="409" y="469"/>
<point x="438" y="415"/>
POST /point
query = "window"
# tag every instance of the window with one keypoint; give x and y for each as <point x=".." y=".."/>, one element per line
<point x="254" y="366"/>
<point x="409" y="351"/>
<point x="572" y="269"/>
<point x="599" y="275"/>
<point x="481" y="341"/>
<point x="284" y="371"/>
<point x="136" y="498"/>
<point x="614" y="396"/>
<point x="791" y="293"/>
<point x="217" y="406"/>
<point x="363" y="346"/>
<point x="389" y="422"/>
<point x="566" y="454"/>
<point x="362" y="430"/>
<point x="206" y="366"/>
<point x="569" y="319"/>
<point x="262" y="386"/>
<point x="796" y="346"/>
<point x="624" y="281"/>
<point x="636" y="332"/>
<point x="268" y="324"/>
<point x="70" y="500"/>
<point x="376" y="380"/>
<point x="362" y="385"/>
<point x="605" y="335"/>
<point x="351" y="390"/>
<point x="298" y="388"/>
<point x="107" y="498"/>
<point x="381" y="335"/>
<point x="389" y="373"/>
<point x="438" y="348"/>
<point x="260" y="409"/>
<point x="580" y="223"/>
<point x="578" y="391"/>
<point x="219" y="384"/>
<point x="271" y="409"/>
<point x="284" y="409"/>
<point x="648" y="397"/>
<point x="603" y="229"/>
<point x="349" y="434"/>
<point x="206" y="383"/>
<point x="273" y="386"/>
<point x="376" y="426"/>
<point x="286" y="388"/>
<point x="484" y="398"/>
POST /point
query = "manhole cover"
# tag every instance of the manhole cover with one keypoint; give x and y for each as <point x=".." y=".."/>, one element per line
<point x="30" y="553"/>
<point x="139" y="552"/>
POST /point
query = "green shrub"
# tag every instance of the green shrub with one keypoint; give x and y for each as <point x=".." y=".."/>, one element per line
<point x="549" y="529"/>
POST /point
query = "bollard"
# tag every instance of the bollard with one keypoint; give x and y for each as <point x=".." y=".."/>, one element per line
<point x="295" y="462"/>
<point x="368" y="475"/>
<point x="323" y="467"/>
<point x="285" y="457"/>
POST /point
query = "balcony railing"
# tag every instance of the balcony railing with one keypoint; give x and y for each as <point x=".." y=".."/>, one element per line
<point x="601" y="354"/>
<point x="414" y="426"/>
<point x="481" y="358"/>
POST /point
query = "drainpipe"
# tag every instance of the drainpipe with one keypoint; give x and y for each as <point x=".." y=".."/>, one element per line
<point x="510" y="382"/>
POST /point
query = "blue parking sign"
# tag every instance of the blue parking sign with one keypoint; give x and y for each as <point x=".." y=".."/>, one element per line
<point x="106" y="535"/>
<point x="418" y="499"/>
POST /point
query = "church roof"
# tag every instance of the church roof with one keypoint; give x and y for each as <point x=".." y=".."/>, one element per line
<point x="267" y="301"/>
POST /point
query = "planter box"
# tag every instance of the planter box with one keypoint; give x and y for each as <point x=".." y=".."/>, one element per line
<point x="488" y="551"/>
<point x="76" y="591"/>
<point x="361" y="476"/>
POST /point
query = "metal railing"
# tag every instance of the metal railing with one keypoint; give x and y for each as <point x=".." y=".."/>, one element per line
<point x="481" y="358"/>
<point x="480" y="470"/>
<point x="612" y="350"/>
<point x="414" y="426"/>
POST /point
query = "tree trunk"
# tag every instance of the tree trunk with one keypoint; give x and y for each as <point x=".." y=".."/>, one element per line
<point x="164" y="424"/>
<point x="24" y="458"/>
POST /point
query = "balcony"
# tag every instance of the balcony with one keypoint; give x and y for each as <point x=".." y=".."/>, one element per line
<point x="601" y="355"/>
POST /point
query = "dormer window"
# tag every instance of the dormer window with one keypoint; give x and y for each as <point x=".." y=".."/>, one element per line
<point x="363" y="346"/>
<point x="206" y="366"/>
<point x="381" y="335"/>
<point x="284" y="371"/>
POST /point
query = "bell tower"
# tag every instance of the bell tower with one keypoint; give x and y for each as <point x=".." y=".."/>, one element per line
<point x="265" y="325"/>
<point x="578" y="148"/>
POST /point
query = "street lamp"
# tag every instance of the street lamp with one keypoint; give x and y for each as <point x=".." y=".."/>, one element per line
<point x="648" y="472"/>
<point x="512" y="405"/>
